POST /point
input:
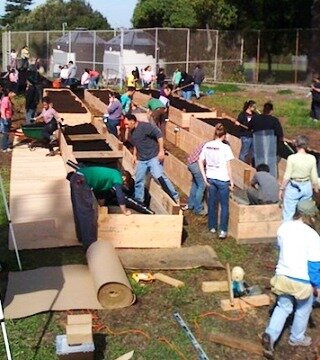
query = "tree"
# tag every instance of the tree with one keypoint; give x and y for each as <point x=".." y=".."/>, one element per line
<point x="52" y="14"/>
<point x="13" y="9"/>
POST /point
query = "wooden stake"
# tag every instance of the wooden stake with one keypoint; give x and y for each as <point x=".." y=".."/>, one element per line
<point x="215" y="286"/>
<point x="230" y="285"/>
<point x="168" y="280"/>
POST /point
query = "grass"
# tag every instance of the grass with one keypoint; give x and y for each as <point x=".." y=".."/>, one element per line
<point x="285" y="92"/>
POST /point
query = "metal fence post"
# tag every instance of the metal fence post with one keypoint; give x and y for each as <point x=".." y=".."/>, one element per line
<point x="27" y="38"/>
<point x="48" y="50"/>
<point x="94" y="49"/>
<point x="156" y="49"/>
<point x="69" y="49"/>
<point x="121" y="58"/>
<point x="241" y="50"/>
<point x="258" y="58"/>
<point x="216" y="57"/>
<point x="188" y="50"/>
<point x="296" y="57"/>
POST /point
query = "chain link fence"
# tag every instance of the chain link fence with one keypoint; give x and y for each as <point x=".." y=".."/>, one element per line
<point x="279" y="56"/>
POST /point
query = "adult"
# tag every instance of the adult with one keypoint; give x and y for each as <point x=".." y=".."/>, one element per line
<point x="94" y="79"/>
<point x="161" y="78"/>
<point x="126" y="100"/>
<point x="215" y="156"/>
<point x="25" y="55"/>
<point x="246" y="137"/>
<point x="198" y="185"/>
<point x="72" y="72"/>
<point x="148" y="77"/>
<point x="176" y="77"/>
<point x="157" y="111"/>
<point x="64" y="75"/>
<point x="186" y="85"/>
<point x="198" y="76"/>
<point x="148" y="156"/>
<point x="300" y="175"/>
<point x="113" y="115"/>
<point x="131" y="80"/>
<point x="267" y="132"/>
<point x="297" y="278"/>
<point x="85" y="78"/>
<point x="315" y="93"/>
<point x="32" y="99"/>
<point x="265" y="188"/>
<point x="50" y="119"/>
<point x="14" y="80"/>
<point x="6" y="118"/>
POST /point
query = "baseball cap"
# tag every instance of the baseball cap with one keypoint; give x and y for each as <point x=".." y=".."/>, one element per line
<point x="307" y="207"/>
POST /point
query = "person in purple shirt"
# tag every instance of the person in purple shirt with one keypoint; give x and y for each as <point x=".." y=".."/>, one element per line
<point x="113" y="115"/>
<point x="50" y="123"/>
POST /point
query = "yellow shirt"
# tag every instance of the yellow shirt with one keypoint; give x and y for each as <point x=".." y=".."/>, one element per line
<point x="130" y="81"/>
<point x="302" y="166"/>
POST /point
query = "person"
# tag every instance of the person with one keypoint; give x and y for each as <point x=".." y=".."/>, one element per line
<point x="72" y="72"/>
<point x="186" y="85"/>
<point x="216" y="156"/>
<point x="94" y="79"/>
<point x="64" y="75"/>
<point x="148" y="77"/>
<point x="246" y="137"/>
<point x="148" y="155"/>
<point x="32" y="99"/>
<point x="198" y="185"/>
<point x="112" y="118"/>
<point x="315" y="103"/>
<point x="267" y="132"/>
<point x="161" y="77"/>
<point x="14" y="80"/>
<point x="13" y="59"/>
<point x="157" y="112"/>
<point x="6" y="118"/>
<point x="300" y="176"/>
<point x="265" y="188"/>
<point x="85" y="78"/>
<point x="176" y="77"/>
<point x="126" y="100"/>
<point x="198" y="76"/>
<point x="297" y="278"/>
<point x="131" y="79"/>
<point x="25" y="55"/>
<point x="50" y="119"/>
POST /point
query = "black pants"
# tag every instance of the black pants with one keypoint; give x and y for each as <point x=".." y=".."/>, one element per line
<point x="48" y="130"/>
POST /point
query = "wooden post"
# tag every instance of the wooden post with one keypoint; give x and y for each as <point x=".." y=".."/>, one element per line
<point x="230" y="285"/>
<point x="246" y="177"/>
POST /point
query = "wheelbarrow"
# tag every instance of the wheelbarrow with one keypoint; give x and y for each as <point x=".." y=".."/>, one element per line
<point x="33" y="132"/>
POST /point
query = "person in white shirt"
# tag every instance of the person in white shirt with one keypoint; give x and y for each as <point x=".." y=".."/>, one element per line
<point x="148" y="77"/>
<point x="215" y="158"/>
<point x="297" y="278"/>
<point x="64" y="75"/>
<point x="85" y="78"/>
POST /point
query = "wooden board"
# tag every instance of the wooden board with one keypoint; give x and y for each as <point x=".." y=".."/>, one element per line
<point x="246" y="302"/>
<point x="97" y="154"/>
<point x="86" y="137"/>
<point x="141" y="231"/>
<point x="95" y="101"/>
<point x="215" y="286"/>
<point x="168" y="280"/>
<point x="202" y="129"/>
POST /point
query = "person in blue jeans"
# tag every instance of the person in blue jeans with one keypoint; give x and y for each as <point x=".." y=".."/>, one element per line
<point x="246" y="137"/>
<point x="214" y="164"/>
<point x="297" y="278"/>
<point x="186" y="85"/>
<point x="148" y="155"/>
<point x="198" y="186"/>
<point x="112" y="118"/>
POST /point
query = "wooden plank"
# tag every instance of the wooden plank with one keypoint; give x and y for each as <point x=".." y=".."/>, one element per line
<point x="162" y="198"/>
<point x="95" y="101"/>
<point x="246" y="302"/>
<point x="86" y="137"/>
<point x="168" y="280"/>
<point x="236" y="343"/>
<point x="231" y="296"/>
<point x="241" y="172"/>
<point x="202" y="129"/>
<point x="141" y="231"/>
<point x="98" y="154"/>
<point x="214" y="286"/>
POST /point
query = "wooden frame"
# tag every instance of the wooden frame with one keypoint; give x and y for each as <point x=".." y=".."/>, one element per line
<point x="95" y="101"/>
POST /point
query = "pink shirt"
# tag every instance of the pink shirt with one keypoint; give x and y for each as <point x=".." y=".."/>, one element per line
<point x="13" y="77"/>
<point x="49" y="114"/>
<point x="6" y="108"/>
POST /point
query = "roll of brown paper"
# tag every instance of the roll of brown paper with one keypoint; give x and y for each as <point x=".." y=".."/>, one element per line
<point x="111" y="282"/>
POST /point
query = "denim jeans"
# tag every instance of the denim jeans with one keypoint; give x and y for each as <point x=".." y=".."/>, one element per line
<point x="93" y="83"/>
<point x="283" y="309"/>
<point x="218" y="190"/>
<point x="187" y="95"/>
<point x="48" y="129"/>
<point x="246" y="147"/>
<point x="112" y="126"/>
<point x="292" y="196"/>
<point x="30" y="115"/>
<point x="196" y="88"/>
<point x="197" y="190"/>
<point x="5" y="126"/>
<point x="156" y="169"/>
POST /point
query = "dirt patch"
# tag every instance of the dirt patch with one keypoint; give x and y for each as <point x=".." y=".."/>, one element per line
<point x="102" y="95"/>
<point x="65" y="102"/>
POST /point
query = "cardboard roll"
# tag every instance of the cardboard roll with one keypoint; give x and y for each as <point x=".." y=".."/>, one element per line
<point x="115" y="295"/>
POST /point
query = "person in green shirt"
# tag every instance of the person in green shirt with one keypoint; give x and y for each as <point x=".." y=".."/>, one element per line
<point x="102" y="179"/>
<point x="157" y="112"/>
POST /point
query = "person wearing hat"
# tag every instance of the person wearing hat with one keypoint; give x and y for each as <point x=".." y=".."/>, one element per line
<point x="32" y="99"/>
<point x="299" y="178"/>
<point x="297" y="278"/>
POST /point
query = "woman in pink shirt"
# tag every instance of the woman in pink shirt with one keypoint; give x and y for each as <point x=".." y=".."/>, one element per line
<point x="50" y="119"/>
<point x="5" y="120"/>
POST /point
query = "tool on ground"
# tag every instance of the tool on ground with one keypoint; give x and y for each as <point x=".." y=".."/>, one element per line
<point x="201" y="354"/>
<point x="4" y="333"/>
<point x="10" y="223"/>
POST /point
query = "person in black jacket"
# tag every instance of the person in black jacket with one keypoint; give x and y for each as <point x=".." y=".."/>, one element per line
<point x="186" y="85"/>
<point x="246" y="135"/>
<point x="267" y="133"/>
<point x="315" y="93"/>
<point x="32" y="99"/>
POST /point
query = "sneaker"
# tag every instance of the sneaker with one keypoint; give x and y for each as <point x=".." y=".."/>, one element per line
<point x="51" y="153"/>
<point x="185" y="207"/>
<point x="222" y="235"/>
<point x="203" y="212"/>
<point x="7" y="150"/>
<point x="52" y="139"/>
<point x="306" y="341"/>
<point x="213" y="230"/>
<point x="267" y="346"/>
